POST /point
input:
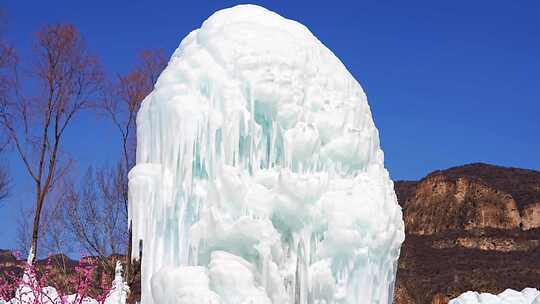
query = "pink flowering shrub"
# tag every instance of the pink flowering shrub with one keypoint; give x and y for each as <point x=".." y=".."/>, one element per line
<point x="41" y="288"/>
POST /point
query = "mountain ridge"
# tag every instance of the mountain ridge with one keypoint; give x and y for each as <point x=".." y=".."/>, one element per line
<point x="470" y="227"/>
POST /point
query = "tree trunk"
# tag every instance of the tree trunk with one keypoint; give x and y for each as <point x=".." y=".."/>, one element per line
<point x="35" y="229"/>
<point x="128" y="262"/>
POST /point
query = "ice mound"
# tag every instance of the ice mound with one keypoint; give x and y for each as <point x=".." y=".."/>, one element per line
<point x="259" y="175"/>
<point x="509" y="296"/>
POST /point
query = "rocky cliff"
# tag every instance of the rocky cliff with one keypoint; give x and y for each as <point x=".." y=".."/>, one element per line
<point x="473" y="227"/>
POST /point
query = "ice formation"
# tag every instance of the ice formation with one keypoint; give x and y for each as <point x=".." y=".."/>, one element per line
<point x="509" y="296"/>
<point x="120" y="289"/>
<point x="259" y="175"/>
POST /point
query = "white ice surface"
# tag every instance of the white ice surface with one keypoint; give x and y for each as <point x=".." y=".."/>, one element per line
<point x="509" y="296"/>
<point x="120" y="289"/>
<point x="259" y="175"/>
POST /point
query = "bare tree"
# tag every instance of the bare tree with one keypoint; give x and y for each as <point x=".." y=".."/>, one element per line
<point x="4" y="184"/>
<point x="22" y="236"/>
<point x="121" y="105"/>
<point x="54" y="238"/>
<point x="93" y="214"/>
<point x="66" y="80"/>
<point x="7" y="59"/>
<point x="125" y="96"/>
<point x="96" y="209"/>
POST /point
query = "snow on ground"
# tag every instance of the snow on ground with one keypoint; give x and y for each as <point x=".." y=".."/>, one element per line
<point x="509" y="296"/>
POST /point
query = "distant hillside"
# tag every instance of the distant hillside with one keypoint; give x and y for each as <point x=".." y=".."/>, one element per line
<point x="473" y="227"/>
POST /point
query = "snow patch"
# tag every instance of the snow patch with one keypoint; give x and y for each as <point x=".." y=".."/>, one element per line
<point x="509" y="296"/>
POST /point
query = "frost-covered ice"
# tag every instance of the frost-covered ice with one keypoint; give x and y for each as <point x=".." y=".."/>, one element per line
<point x="259" y="175"/>
<point x="509" y="296"/>
<point x="120" y="289"/>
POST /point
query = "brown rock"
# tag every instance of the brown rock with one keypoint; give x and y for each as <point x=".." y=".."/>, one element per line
<point x="474" y="227"/>
<point x="440" y="299"/>
<point x="530" y="217"/>
<point x="443" y="204"/>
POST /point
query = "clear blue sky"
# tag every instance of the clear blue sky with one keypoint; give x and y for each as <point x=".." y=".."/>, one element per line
<point x="449" y="82"/>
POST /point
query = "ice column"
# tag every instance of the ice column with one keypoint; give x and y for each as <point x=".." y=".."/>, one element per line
<point x="259" y="175"/>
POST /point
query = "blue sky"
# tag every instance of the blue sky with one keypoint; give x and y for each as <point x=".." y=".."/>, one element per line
<point x="448" y="82"/>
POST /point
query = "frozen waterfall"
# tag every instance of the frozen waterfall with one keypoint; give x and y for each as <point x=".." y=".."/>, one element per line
<point x="259" y="175"/>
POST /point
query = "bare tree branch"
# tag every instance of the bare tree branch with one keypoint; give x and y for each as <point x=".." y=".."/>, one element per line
<point x="121" y="103"/>
<point x="7" y="60"/>
<point x="4" y="183"/>
<point x="93" y="213"/>
<point x="68" y="80"/>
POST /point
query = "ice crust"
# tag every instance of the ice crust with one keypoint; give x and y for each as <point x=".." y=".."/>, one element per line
<point x="259" y="175"/>
<point x="509" y="296"/>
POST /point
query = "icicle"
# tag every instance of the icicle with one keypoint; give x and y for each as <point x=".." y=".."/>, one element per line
<point x="301" y="277"/>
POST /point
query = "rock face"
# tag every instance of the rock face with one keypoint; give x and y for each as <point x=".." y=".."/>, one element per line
<point x="530" y="216"/>
<point x="471" y="197"/>
<point x="473" y="227"/>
